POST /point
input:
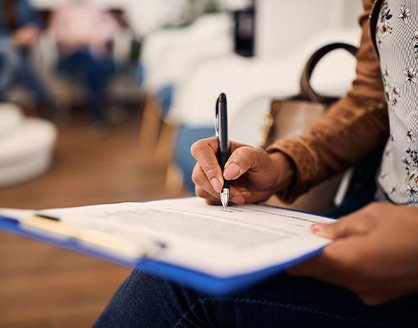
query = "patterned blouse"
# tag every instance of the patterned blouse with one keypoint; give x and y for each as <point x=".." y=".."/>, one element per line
<point x="397" y="40"/>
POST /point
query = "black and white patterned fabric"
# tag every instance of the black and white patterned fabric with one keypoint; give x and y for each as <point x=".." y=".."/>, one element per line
<point x="397" y="40"/>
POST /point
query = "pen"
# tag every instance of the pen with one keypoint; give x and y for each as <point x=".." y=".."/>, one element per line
<point x="221" y="126"/>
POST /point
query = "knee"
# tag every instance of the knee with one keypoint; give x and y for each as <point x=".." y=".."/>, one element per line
<point x="141" y="300"/>
<point x="142" y="285"/>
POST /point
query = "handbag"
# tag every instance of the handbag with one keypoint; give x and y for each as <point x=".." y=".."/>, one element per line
<point x="292" y="116"/>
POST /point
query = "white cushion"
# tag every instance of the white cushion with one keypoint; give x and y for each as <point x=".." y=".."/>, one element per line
<point x="24" y="170"/>
<point x="10" y="119"/>
<point x="26" y="151"/>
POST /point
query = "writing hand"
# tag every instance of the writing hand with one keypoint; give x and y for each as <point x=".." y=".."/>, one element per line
<point x="374" y="253"/>
<point x="254" y="174"/>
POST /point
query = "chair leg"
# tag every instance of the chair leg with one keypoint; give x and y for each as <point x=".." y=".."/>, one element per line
<point x="150" y="125"/>
<point x="164" y="150"/>
<point x="174" y="180"/>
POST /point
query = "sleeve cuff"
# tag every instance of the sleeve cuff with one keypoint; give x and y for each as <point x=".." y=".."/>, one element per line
<point x="305" y="165"/>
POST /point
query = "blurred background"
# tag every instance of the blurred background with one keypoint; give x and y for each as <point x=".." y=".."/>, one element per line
<point x="100" y="101"/>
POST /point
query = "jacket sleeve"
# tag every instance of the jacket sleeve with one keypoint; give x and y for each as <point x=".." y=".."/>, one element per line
<point x="352" y="127"/>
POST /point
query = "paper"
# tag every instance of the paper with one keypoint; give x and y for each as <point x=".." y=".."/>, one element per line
<point x="204" y="238"/>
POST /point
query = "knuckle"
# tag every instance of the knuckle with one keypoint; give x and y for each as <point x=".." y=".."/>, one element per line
<point x="197" y="177"/>
<point x="210" y="202"/>
<point x="199" y="192"/>
<point x="245" y="152"/>
<point x="243" y="155"/>
<point x="201" y="147"/>
<point x="195" y="148"/>
<point x="210" y="172"/>
<point x="201" y="173"/>
<point x="195" y="172"/>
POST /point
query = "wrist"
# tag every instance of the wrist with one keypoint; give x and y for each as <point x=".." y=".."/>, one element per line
<point x="286" y="170"/>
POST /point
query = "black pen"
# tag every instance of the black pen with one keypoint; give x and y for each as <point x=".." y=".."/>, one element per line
<point x="221" y="123"/>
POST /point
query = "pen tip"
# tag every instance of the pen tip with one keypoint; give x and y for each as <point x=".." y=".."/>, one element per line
<point x="224" y="204"/>
<point x="225" y="198"/>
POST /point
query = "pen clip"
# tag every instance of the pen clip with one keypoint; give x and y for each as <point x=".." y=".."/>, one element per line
<point x="217" y="124"/>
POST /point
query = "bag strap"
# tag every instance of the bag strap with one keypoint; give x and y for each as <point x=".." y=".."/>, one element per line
<point x="306" y="91"/>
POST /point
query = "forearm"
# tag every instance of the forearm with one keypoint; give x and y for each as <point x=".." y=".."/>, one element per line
<point x="286" y="171"/>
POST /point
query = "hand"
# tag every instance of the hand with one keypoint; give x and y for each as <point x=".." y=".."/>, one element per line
<point x="26" y="36"/>
<point x="374" y="253"/>
<point x="254" y="174"/>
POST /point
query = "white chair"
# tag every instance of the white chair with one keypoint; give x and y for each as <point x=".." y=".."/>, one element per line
<point x="245" y="80"/>
<point x="169" y="57"/>
<point x="26" y="146"/>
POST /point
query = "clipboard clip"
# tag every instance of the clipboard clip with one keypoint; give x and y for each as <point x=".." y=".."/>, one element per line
<point x="127" y="247"/>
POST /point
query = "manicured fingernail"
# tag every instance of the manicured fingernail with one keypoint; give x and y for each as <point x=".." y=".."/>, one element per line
<point x="216" y="184"/>
<point x="318" y="228"/>
<point x="231" y="171"/>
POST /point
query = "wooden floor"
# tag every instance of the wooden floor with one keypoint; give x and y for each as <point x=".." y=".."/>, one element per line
<point x="43" y="286"/>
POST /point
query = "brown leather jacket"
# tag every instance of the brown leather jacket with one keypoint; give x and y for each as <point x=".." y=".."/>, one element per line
<point x="352" y="127"/>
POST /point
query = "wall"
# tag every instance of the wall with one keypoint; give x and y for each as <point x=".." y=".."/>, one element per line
<point x="283" y="24"/>
<point x="352" y="10"/>
<point x="289" y="21"/>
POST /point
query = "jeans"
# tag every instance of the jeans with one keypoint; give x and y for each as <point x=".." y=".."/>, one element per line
<point x="9" y="61"/>
<point x="147" y="301"/>
<point x="94" y="72"/>
<point x="16" y="68"/>
<point x="30" y="79"/>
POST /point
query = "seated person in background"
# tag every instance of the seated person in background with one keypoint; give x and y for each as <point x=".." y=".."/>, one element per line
<point x="373" y="259"/>
<point x="83" y="32"/>
<point x="19" y="31"/>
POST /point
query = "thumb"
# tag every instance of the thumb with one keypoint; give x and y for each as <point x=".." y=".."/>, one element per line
<point x="354" y="224"/>
<point x="241" y="160"/>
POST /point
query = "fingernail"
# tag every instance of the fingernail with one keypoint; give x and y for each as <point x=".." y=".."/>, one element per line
<point x="216" y="184"/>
<point x="318" y="228"/>
<point x="231" y="171"/>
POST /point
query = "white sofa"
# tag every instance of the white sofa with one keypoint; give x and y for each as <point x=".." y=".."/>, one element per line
<point x="26" y="145"/>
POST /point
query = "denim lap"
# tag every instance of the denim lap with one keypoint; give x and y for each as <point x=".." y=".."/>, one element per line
<point x="145" y="300"/>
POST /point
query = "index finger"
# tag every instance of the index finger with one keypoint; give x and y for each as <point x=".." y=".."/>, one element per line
<point x="204" y="151"/>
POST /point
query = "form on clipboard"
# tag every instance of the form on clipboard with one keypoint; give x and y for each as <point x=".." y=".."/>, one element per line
<point x="186" y="240"/>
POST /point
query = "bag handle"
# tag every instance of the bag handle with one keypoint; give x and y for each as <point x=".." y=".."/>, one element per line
<point x="306" y="91"/>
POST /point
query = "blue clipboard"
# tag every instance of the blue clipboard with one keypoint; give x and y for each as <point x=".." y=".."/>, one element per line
<point x="201" y="281"/>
